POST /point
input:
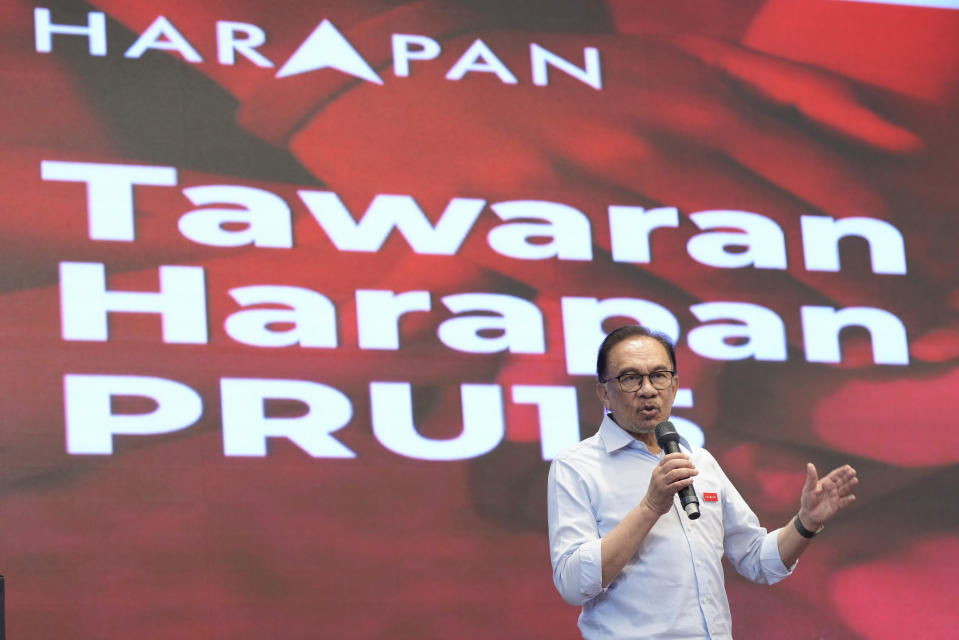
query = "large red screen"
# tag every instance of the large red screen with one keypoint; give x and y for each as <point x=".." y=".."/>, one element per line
<point x="301" y="298"/>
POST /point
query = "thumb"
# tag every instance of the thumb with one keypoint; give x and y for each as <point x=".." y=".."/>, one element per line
<point x="812" y="478"/>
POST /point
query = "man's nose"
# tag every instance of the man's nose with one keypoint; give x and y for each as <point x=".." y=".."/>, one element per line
<point x="646" y="387"/>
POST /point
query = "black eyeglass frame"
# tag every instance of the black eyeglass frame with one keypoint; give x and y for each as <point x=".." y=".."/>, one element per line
<point x="642" y="379"/>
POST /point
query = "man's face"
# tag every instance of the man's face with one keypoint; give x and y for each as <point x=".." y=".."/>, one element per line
<point x="641" y="410"/>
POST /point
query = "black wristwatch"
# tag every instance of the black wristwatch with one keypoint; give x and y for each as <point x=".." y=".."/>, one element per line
<point x="804" y="532"/>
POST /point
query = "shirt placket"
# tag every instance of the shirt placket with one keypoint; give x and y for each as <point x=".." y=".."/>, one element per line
<point x="709" y="607"/>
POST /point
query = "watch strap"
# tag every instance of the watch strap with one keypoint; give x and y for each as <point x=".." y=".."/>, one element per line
<point x="804" y="532"/>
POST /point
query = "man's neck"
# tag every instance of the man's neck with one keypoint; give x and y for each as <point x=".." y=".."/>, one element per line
<point x="649" y="439"/>
<point x="646" y="436"/>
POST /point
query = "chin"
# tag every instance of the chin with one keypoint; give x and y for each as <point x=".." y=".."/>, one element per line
<point x="642" y="429"/>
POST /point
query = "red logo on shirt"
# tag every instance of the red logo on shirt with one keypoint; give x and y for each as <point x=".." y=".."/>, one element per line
<point x="711" y="497"/>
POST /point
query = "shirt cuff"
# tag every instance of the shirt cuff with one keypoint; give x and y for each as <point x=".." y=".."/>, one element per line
<point x="591" y="568"/>
<point x="772" y="562"/>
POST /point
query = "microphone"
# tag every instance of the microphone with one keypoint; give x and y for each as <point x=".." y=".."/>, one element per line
<point x="668" y="441"/>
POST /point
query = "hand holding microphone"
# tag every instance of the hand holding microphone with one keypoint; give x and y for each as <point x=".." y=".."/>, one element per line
<point x="668" y="440"/>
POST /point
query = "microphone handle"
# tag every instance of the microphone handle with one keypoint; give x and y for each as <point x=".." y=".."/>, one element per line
<point x="687" y="496"/>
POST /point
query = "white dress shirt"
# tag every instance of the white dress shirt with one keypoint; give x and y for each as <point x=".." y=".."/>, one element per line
<point x="673" y="586"/>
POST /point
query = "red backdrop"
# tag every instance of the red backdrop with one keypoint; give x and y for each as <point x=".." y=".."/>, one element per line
<point x="300" y="298"/>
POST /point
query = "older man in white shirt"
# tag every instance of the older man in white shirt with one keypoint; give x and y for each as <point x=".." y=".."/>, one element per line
<point x="621" y="544"/>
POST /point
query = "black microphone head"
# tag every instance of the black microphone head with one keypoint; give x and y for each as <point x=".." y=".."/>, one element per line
<point x="666" y="432"/>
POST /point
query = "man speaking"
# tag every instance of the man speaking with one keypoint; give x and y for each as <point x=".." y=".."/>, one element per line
<point x="621" y="543"/>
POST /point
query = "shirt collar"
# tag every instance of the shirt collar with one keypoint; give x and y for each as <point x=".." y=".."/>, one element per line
<point x="614" y="437"/>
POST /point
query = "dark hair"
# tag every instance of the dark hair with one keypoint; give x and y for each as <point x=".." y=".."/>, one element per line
<point x="624" y="333"/>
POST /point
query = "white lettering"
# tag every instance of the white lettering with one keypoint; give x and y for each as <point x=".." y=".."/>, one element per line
<point x="388" y="212"/>
<point x="109" y="192"/>
<point x="85" y="303"/>
<point x="568" y="229"/>
<point x="228" y="44"/>
<point x="266" y="216"/>
<point x="378" y="316"/>
<point x="95" y="31"/>
<point x="821" y="235"/>
<point x="558" y="415"/>
<point x="762" y="239"/>
<point x="152" y="39"/>
<point x="427" y="49"/>
<point x="763" y="330"/>
<point x="583" y="326"/>
<point x="629" y="229"/>
<point x="483" y="424"/>
<point x="541" y="59"/>
<point x="479" y="57"/>
<point x="311" y="315"/>
<point x="822" y="325"/>
<point x="518" y="324"/>
<point x="246" y="426"/>
<point x="91" y="423"/>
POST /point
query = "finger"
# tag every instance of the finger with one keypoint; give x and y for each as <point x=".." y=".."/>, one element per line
<point x="812" y="478"/>
<point x="841" y="476"/>
<point x="680" y="475"/>
<point x="676" y="461"/>
<point x="844" y="470"/>
<point x="848" y="486"/>
<point x="670" y="457"/>
<point x="679" y="469"/>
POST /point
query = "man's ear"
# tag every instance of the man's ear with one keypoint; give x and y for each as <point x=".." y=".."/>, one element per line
<point x="601" y="394"/>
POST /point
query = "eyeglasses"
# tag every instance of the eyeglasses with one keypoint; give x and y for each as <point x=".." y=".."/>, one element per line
<point x="632" y="381"/>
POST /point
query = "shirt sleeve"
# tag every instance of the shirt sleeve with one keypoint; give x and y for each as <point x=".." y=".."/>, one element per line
<point x="752" y="550"/>
<point x="575" y="544"/>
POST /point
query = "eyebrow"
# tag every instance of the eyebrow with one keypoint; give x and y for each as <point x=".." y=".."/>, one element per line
<point x="636" y="371"/>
